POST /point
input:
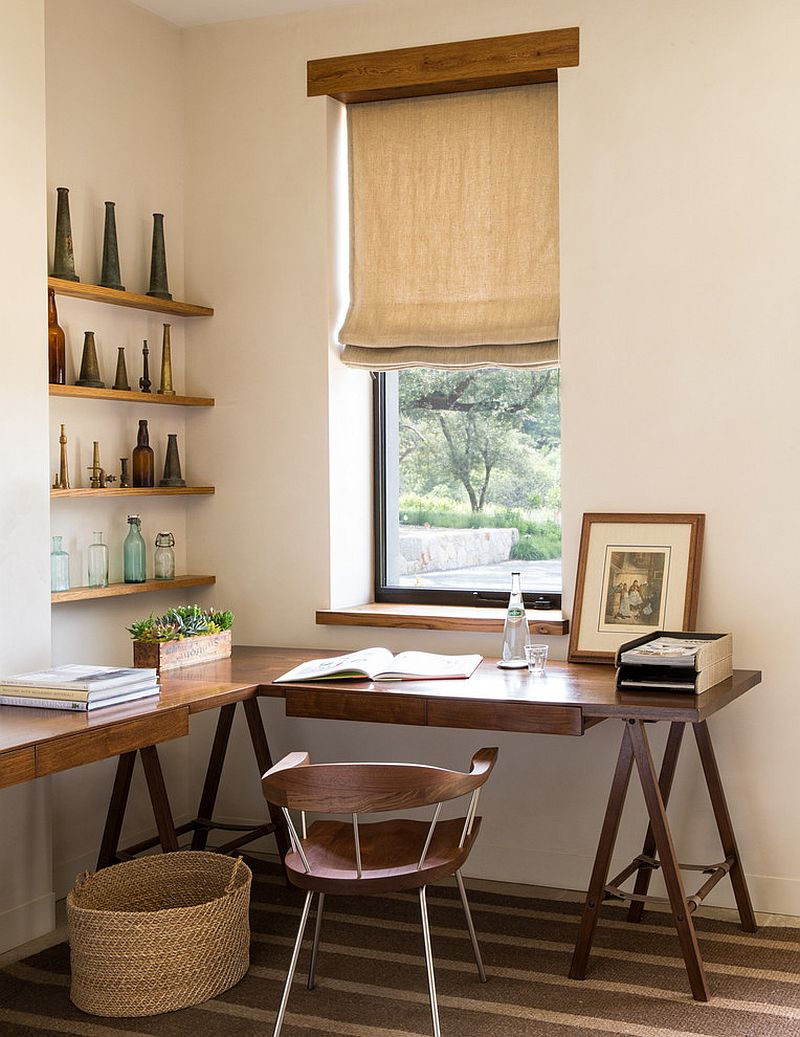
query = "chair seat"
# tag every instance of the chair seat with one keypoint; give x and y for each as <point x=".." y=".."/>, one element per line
<point x="390" y="853"/>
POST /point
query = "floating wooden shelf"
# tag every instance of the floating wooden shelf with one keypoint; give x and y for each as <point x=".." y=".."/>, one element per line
<point x="83" y="392"/>
<point x="131" y="491"/>
<point x="115" y="590"/>
<point x="439" y="617"/>
<point x="95" y="293"/>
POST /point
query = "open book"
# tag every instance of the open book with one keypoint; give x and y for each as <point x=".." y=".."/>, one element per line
<point x="378" y="664"/>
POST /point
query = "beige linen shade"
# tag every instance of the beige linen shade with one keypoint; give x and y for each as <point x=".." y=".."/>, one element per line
<point x="454" y="231"/>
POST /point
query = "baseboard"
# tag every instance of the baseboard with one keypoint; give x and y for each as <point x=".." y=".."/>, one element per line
<point x="64" y="872"/>
<point x="27" y="922"/>
<point x="770" y="894"/>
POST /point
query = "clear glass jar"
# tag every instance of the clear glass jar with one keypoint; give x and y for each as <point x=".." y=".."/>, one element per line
<point x="134" y="553"/>
<point x="164" y="559"/>
<point x="98" y="562"/>
<point x="59" y="567"/>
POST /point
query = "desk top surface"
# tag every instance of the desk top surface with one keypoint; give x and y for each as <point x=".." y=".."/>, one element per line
<point x="252" y="669"/>
<point x="590" y="687"/>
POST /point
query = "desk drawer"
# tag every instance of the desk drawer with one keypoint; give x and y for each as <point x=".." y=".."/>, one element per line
<point x="106" y="740"/>
<point x="506" y="716"/>
<point x="17" y="765"/>
<point x="371" y="707"/>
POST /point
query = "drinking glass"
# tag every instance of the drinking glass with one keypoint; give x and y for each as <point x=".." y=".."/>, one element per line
<point x="536" y="656"/>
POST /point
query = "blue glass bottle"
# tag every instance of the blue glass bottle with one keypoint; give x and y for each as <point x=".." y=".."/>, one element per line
<point x="134" y="553"/>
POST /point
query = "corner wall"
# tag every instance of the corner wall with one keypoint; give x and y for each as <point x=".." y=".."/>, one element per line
<point x="26" y="903"/>
<point x="679" y="275"/>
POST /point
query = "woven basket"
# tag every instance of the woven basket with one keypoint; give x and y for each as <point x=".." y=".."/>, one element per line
<point x="159" y="933"/>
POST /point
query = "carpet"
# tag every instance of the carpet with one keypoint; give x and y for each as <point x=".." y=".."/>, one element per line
<point x="371" y="976"/>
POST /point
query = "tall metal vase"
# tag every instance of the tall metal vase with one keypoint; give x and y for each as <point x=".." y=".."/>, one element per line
<point x="166" y="365"/>
<point x="172" y="464"/>
<point x="110" y="276"/>
<point x="90" y="369"/>
<point x="159" y="287"/>
<point x="63" y="255"/>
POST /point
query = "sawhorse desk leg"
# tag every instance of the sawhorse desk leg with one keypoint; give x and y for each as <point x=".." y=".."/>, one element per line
<point x="203" y="823"/>
<point x="659" y="851"/>
<point x="167" y="836"/>
<point x="200" y="827"/>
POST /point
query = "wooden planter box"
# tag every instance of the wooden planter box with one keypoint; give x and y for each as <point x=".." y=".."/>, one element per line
<point x="170" y="655"/>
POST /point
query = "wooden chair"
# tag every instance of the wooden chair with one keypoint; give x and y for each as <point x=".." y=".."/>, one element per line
<point x="345" y="857"/>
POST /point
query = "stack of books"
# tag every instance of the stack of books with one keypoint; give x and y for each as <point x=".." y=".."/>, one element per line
<point x="79" y="688"/>
<point x="670" y="661"/>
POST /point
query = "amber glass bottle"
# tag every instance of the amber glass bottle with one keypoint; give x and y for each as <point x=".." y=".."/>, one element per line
<point x="143" y="460"/>
<point x="55" y="343"/>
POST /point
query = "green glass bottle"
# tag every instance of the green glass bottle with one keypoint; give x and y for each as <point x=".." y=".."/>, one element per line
<point x="134" y="552"/>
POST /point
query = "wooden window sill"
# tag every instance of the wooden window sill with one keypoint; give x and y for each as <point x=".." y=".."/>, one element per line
<point x="438" y="617"/>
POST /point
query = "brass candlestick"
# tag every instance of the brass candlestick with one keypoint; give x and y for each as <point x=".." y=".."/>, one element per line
<point x="62" y="479"/>
<point x="99" y="478"/>
<point x="166" y="365"/>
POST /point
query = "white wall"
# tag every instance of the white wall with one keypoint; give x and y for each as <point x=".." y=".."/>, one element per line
<point x="26" y="903"/>
<point x="679" y="274"/>
<point x="679" y="270"/>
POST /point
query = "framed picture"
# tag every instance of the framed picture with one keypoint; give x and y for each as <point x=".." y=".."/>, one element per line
<point x="636" y="573"/>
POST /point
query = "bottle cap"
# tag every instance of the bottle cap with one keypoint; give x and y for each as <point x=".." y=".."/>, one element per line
<point x="134" y="518"/>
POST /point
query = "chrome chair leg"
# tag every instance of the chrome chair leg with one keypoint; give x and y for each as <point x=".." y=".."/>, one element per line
<point x="292" y="966"/>
<point x="426" y="938"/>
<point x="312" y="968"/>
<point x="472" y="935"/>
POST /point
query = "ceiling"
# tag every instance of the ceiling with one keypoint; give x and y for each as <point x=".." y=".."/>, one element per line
<point x="202" y="12"/>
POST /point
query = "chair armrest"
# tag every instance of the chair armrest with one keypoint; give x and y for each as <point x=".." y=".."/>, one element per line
<point x="483" y="763"/>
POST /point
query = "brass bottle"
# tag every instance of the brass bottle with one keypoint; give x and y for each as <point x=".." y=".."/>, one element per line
<point x="166" y="365"/>
<point x="143" y="458"/>
<point x="55" y="343"/>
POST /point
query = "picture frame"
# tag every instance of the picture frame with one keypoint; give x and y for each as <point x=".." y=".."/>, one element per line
<point x="637" y="573"/>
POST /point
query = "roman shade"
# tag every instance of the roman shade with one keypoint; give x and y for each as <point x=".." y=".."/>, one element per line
<point x="454" y="231"/>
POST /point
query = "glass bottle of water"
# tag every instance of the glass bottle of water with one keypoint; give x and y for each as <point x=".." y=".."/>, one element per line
<point x="59" y="567"/>
<point x="134" y="553"/>
<point x="98" y="562"/>
<point x="164" y="558"/>
<point x="515" y="631"/>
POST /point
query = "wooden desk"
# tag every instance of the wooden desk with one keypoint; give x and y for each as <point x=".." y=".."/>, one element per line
<point x="568" y="701"/>
<point x="36" y="742"/>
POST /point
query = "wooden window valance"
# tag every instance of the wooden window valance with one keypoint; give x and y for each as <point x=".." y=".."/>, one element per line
<point x="445" y="68"/>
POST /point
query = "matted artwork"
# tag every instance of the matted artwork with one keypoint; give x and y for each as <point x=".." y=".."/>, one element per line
<point x="636" y="573"/>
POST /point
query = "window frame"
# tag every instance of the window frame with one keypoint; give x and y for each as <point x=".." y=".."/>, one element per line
<point x="535" y="600"/>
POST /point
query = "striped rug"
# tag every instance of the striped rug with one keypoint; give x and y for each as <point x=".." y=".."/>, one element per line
<point x="371" y="977"/>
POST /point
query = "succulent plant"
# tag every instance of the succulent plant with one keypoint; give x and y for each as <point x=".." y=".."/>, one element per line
<point x="179" y="623"/>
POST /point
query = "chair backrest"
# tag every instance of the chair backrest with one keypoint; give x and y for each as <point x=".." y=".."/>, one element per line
<point x="346" y="788"/>
<point x="294" y="783"/>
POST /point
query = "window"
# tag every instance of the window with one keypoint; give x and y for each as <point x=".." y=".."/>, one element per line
<point x="454" y="307"/>
<point x="467" y="485"/>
